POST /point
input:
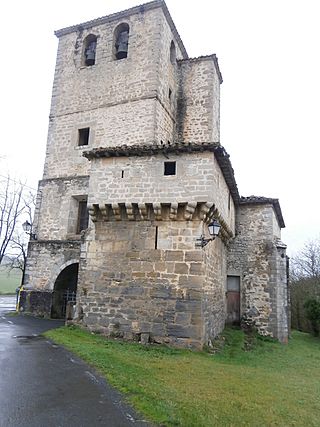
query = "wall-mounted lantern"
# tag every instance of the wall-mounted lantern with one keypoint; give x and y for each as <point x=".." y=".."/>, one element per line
<point x="27" y="228"/>
<point x="214" y="229"/>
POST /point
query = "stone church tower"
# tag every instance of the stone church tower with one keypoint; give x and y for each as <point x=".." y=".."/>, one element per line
<point x="134" y="142"/>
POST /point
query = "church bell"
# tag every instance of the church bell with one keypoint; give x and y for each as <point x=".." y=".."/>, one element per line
<point x="91" y="54"/>
<point x="122" y="45"/>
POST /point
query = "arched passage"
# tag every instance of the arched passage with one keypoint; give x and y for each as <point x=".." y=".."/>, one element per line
<point x="64" y="290"/>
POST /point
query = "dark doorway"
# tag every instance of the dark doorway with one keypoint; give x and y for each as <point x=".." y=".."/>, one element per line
<point x="65" y="289"/>
<point x="233" y="300"/>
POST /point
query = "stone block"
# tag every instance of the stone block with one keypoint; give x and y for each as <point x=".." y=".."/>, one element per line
<point x="145" y="338"/>
<point x="181" y="268"/>
<point x="174" y="255"/>
<point x="182" y="318"/>
<point x="193" y="256"/>
<point x="160" y="292"/>
<point x="196" y="268"/>
<point x="191" y="281"/>
<point x="182" y="331"/>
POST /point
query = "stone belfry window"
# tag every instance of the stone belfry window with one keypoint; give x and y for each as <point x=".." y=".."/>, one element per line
<point x="121" y="41"/>
<point x="89" y="53"/>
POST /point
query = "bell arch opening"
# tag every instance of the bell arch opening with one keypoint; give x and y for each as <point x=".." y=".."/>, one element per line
<point x="121" y="41"/>
<point x="64" y="290"/>
<point x="89" y="52"/>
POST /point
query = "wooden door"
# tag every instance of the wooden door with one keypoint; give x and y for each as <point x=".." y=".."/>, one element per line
<point x="233" y="300"/>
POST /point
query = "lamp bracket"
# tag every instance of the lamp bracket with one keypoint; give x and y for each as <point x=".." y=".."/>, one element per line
<point x="202" y="241"/>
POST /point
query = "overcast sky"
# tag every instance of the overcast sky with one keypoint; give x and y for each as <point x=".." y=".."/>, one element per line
<point x="268" y="54"/>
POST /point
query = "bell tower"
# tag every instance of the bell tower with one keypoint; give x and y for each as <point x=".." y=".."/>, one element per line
<point x="134" y="174"/>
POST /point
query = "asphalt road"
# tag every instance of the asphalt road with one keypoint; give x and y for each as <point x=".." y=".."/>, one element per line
<point x="43" y="385"/>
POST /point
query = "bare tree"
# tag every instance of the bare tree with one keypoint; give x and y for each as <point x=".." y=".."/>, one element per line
<point x="13" y="203"/>
<point x="305" y="282"/>
<point x="17" y="254"/>
<point x="306" y="263"/>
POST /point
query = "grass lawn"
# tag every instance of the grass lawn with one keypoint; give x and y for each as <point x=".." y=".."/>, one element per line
<point x="9" y="282"/>
<point x="272" y="385"/>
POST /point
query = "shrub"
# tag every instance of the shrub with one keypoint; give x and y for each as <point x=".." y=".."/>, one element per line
<point x="312" y="309"/>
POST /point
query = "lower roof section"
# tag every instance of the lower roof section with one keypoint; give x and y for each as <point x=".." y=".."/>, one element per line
<point x="221" y="155"/>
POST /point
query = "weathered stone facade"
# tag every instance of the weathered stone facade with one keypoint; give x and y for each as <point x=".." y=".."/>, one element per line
<point x="258" y="257"/>
<point x="136" y="140"/>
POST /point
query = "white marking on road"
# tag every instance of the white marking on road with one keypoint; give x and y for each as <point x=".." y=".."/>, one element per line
<point x="2" y="317"/>
<point x="9" y="321"/>
<point x="91" y="376"/>
<point x="130" y="417"/>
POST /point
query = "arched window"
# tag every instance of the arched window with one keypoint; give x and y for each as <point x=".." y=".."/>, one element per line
<point x="173" y="53"/>
<point x="89" y="53"/>
<point x="121" y="40"/>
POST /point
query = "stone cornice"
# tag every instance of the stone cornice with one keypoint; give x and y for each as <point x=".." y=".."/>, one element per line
<point x="175" y="211"/>
<point x="56" y="242"/>
<point x="124" y="14"/>
<point x="63" y="178"/>
<point x="222" y="156"/>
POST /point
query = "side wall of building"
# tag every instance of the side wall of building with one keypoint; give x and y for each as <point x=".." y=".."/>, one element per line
<point x="136" y="180"/>
<point x="214" y="289"/>
<point x="56" y="212"/>
<point x="131" y="286"/>
<point x="198" y="109"/>
<point x="257" y="256"/>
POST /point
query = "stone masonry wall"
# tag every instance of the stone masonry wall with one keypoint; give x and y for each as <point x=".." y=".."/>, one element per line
<point x="214" y="289"/>
<point x="127" y="123"/>
<point x="78" y="88"/>
<point x="46" y="259"/>
<point x="198" y="101"/>
<point x="122" y="101"/>
<point x="198" y="178"/>
<point x="57" y="207"/>
<point x="168" y="86"/>
<point x="128" y="288"/>
<point x="255" y="256"/>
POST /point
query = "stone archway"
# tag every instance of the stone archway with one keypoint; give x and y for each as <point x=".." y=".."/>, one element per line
<point x="64" y="290"/>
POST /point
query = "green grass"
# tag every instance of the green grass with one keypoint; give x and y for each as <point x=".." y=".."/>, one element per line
<point x="9" y="281"/>
<point x="272" y="385"/>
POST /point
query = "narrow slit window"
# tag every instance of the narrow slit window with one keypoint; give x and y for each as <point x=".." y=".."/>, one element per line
<point x="83" y="217"/>
<point x="169" y="168"/>
<point x="83" y="136"/>
<point x="172" y="53"/>
<point x="170" y="93"/>
<point x="156" y="238"/>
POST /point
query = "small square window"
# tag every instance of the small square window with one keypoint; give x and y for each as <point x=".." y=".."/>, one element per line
<point x="83" y="136"/>
<point x="169" y="168"/>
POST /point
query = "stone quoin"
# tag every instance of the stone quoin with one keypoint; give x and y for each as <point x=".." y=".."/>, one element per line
<point x="134" y="173"/>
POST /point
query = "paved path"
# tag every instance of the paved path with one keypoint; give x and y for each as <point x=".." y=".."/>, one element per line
<point x="43" y="385"/>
